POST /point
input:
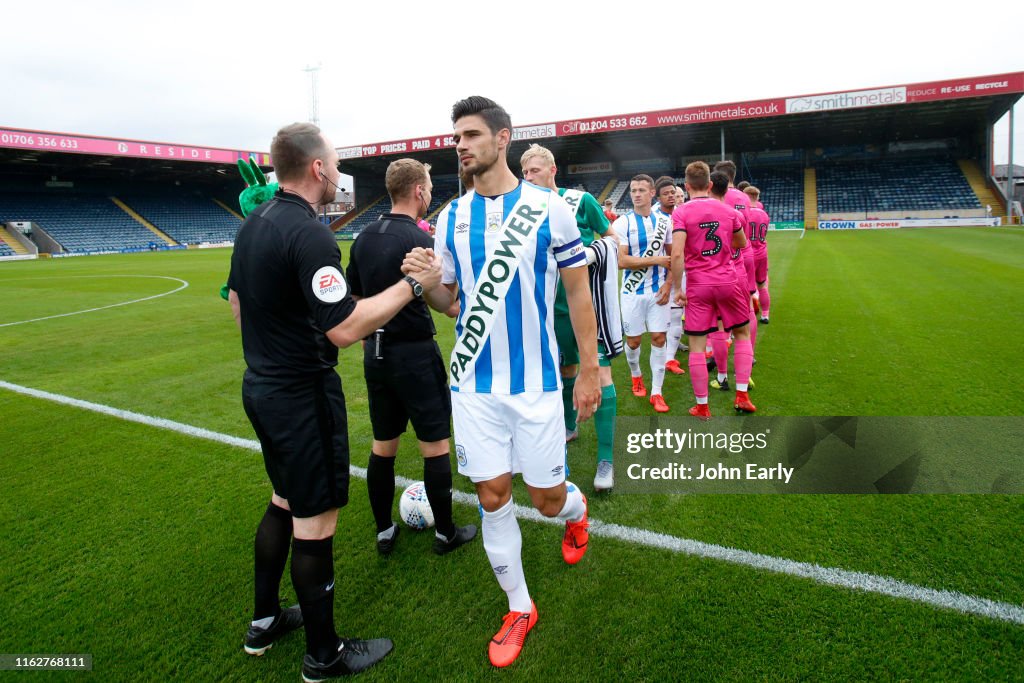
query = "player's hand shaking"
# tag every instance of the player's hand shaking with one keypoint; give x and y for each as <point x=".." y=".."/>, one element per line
<point x="422" y="265"/>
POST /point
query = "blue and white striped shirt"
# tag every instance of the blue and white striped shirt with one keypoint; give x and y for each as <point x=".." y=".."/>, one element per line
<point x="637" y="233"/>
<point x="521" y="353"/>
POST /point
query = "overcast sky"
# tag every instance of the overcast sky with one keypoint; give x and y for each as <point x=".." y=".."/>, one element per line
<point x="228" y="74"/>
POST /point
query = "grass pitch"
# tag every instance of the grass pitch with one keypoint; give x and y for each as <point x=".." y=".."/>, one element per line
<point x="133" y="543"/>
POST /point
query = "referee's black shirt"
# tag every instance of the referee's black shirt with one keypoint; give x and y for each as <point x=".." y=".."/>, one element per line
<point x="376" y="264"/>
<point x="286" y="270"/>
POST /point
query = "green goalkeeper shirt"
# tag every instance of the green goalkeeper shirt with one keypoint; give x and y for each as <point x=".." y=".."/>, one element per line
<point x="591" y="221"/>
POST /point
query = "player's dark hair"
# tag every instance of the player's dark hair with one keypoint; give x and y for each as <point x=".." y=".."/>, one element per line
<point x="642" y="178"/>
<point x="728" y="167"/>
<point x="492" y="113"/>
<point x="742" y="185"/>
<point x="719" y="183"/>
<point x="663" y="182"/>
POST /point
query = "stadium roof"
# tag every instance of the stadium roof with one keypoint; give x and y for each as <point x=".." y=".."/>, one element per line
<point x="910" y="112"/>
<point x="34" y="152"/>
<point x="1000" y="172"/>
<point x="922" y="111"/>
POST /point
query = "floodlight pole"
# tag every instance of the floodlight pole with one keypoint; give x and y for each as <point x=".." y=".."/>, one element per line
<point x="314" y="99"/>
<point x="721" y="132"/>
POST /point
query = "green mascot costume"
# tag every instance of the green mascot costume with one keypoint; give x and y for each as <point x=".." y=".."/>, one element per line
<point x="256" y="192"/>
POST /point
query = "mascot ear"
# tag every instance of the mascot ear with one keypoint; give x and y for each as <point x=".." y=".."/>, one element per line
<point x="247" y="175"/>
<point x="260" y="178"/>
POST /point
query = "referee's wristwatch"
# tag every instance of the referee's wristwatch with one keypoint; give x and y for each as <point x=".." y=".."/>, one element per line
<point x="417" y="288"/>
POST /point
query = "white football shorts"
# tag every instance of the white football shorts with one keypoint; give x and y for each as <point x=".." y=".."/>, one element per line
<point x="497" y="434"/>
<point x="641" y="314"/>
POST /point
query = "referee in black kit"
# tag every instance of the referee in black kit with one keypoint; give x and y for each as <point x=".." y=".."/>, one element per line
<point x="294" y="308"/>
<point x="405" y="375"/>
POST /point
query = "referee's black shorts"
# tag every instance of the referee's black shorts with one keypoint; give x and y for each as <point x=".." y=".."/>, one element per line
<point x="408" y="384"/>
<point x="303" y="429"/>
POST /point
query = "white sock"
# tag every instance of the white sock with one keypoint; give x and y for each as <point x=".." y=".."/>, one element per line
<point x="722" y="376"/>
<point x="574" y="506"/>
<point x="503" y="543"/>
<point x="633" y="358"/>
<point x="657" y="369"/>
<point x="675" y="333"/>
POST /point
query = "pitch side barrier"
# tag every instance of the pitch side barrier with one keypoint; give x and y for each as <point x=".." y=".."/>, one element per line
<point x="909" y="223"/>
<point x="134" y="250"/>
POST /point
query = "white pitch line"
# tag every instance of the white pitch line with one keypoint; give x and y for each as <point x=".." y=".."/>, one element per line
<point x="830" y="576"/>
<point x="184" y="284"/>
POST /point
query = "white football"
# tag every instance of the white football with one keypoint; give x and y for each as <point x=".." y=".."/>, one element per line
<point x="414" y="508"/>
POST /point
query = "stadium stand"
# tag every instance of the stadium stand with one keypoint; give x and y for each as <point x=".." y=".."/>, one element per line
<point x="369" y="215"/>
<point x="621" y="202"/>
<point x="594" y="184"/>
<point x="10" y="241"/>
<point x="976" y="179"/>
<point x="188" y="220"/>
<point x="810" y="198"/>
<point x="782" y="191"/>
<point x="887" y="185"/>
<point x="80" y="223"/>
<point x="861" y="186"/>
<point x="446" y="187"/>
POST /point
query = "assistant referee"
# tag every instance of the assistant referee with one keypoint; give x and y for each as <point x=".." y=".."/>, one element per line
<point x="405" y="374"/>
<point x="294" y="309"/>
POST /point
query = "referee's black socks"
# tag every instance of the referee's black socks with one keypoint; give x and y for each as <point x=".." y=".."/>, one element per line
<point x="437" y="480"/>
<point x="380" y="481"/>
<point x="273" y="538"/>
<point x="313" y="578"/>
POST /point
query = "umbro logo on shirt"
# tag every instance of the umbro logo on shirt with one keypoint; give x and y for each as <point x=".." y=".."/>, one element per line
<point x="462" y="227"/>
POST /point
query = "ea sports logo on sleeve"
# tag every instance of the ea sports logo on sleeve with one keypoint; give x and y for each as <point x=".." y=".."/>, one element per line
<point x="328" y="285"/>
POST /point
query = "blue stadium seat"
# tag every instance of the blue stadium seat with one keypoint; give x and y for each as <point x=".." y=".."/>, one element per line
<point x="782" y="191"/>
<point x="80" y="223"/>
<point x="445" y="187"/>
<point x="186" y="219"/>
<point x="894" y="185"/>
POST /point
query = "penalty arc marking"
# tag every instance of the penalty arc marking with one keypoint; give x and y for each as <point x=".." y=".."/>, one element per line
<point x="184" y="284"/>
